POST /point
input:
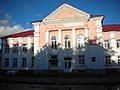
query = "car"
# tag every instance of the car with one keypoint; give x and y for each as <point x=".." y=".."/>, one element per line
<point x="12" y="72"/>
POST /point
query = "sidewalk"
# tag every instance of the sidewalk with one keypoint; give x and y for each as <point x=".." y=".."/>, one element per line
<point x="103" y="80"/>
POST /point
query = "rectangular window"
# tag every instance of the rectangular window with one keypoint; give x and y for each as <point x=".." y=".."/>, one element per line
<point x="118" y="43"/>
<point x="106" y="44"/>
<point x="6" y="62"/>
<point x="53" y="61"/>
<point x="24" y="62"/>
<point x="108" y="60"/>
<point x="81" y="59"/>
<point x="118" y="58"/>
<point x="93" y="59"/>
<point x="32" y="62"/>
<point x="14" y="62"/>
<point x="6" y="48"/>
<point x="15" y="48"/>
<point x="24" y="48"/>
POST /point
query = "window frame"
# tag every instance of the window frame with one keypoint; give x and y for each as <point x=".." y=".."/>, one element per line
<point x="80" y="41"/>
<point x="107" y="44"/>
<point x="81" y="59"/>
<point x="6" y="62"/>
<point x="118" y="43"/>
<point x="14" y="62"/>
<point x="53" y="42"/>
<point x="67" y="42"/>
<point x="108" y="60"/>
<point x="24" y="62"/>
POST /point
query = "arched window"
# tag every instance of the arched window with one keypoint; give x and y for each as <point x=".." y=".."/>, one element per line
<point x="53" y="40"/>
<point x="80" y="41"/>
<point x="67" y="41"/>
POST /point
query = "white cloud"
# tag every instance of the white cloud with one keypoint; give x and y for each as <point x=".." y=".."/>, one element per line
<point x="8" y="16"/>
<point x="7" y="30"/>
<point x="4" y="22"/>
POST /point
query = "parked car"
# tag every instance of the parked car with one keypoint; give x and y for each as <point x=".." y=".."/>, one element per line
<point x="12" y="72"/>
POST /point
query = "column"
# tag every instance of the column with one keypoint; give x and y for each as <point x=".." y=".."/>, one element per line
<point x="73" y="38"/>
<point x="47" y="37"/>
<point x="60" y="38"/>
<point x="10" y="52"/>
<point x="36" y="38"/>
<point x="19" y="62"/>
<point x="74" y="48"/>
<point x="29" y="56"/>
<point x="112" y="40"/>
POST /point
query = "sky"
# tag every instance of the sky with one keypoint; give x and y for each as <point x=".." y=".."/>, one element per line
<point x="16" y="15"/>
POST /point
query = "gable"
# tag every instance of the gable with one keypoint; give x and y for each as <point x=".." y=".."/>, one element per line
<point x="66" y="11"/>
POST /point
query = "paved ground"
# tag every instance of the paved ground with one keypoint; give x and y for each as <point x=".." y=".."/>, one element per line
<point x="96" y="80"/>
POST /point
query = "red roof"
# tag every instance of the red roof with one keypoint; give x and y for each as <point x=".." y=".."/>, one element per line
<point x="111" y="27"/>
<point x="21" y="34"/>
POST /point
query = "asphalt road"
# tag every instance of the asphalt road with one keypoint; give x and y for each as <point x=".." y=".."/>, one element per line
<point x="14" y="86"/>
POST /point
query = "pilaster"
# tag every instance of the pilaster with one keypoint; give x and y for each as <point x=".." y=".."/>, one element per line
<point x="73" y="38"/>
<point x="10" y="52"/>
<point x="47" y="37"/>
<point x="60" y="37"/>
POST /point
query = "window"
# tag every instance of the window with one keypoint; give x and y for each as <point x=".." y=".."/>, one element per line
<point x="106" y="44"/>
<point x="108" y="60"/>
<point x="67" y="41"/>
<point x="118" y="57"/>
<point x="32" y="62"/>
<point x="24" y="48"/>
<point x="15" y="48"/>
<point x="32" y="48"/>
<point x="53" y="61"/>
<point x="81" y="59"/>
<point x="80" y="41"/>
<point x="53" y="39"/>
<point x="118" y="43"/>
<point x="6" y="48"/>
<point x="24" y="62"/>
<point x="93" y="59"/>
<point x="6" y="62"/>
<point x="14" y="62"/>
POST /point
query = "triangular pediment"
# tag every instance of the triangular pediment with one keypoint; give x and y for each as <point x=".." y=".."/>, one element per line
<point x="66" y="11"/>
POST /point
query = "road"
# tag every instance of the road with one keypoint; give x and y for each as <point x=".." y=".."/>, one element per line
<point x="13" y="86"/>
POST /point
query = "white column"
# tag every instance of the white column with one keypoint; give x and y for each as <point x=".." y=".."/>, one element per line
<point x="29" y="56"/>
<point x="10" y="52"/>
<point x="112" y="40"/>
<point x="36" y="37"/>
<point x="47" y="37"/>
<point x="60" y="37"/>
<point x="86" y="34"/>
<point x="19" y="62"/>
<point x="73" y="38"/>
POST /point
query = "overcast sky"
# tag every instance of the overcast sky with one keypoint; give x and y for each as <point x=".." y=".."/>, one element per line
<point x="16" y="15"/>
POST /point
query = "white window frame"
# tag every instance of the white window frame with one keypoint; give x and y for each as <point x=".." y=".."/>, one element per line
<point x="67" y="41"/>
<point x="24" y="62"/>
<point x="80" y="41"/>
<point x="107" y="44"/>
<point x="53" y="42"/>
<point x="118" y="58"/>
<point x="14" y="62"/>
<point x="118" y="43"/>
<point x="81" y="59"/>
<point x="108" y="60"/>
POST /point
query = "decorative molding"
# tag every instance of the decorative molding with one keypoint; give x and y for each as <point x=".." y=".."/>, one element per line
<point x="75" y="10"/>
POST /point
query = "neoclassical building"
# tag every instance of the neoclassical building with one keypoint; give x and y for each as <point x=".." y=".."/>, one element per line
<point x="67" y="40"/>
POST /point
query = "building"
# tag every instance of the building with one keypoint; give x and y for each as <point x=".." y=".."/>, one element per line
<point x="67" y="40"/>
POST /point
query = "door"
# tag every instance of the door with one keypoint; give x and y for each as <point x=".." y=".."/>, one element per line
<point x="68" y="66"/>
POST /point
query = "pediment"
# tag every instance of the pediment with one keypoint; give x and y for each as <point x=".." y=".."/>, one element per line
<point x="66" y="11"/>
